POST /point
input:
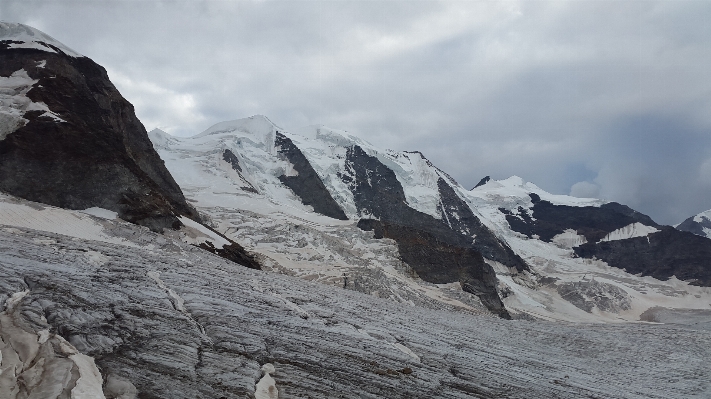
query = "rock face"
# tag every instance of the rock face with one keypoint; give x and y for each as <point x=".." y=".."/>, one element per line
<point x="71" y="140"/>
<point x="162" y="319"/>
<point x="547" y="220"/>
<point x="306" y="184"/>
<point x="438" y="251"/>
<point x="664" y="254"/>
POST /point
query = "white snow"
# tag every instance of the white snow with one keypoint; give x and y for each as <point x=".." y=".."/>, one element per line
<point x="15" y="212"/>
<point x="24" y="36"/>
<point x="266" y="387"/>
<point x="14" y="299"/>
<point x="706" y="215"/>
<point x="516" y="187"/>
<point x="404" y="349"/>
<point x="630" y="231"/>
<point x="14" y="102"/>
<point x="101" y="213"/>
<point x="325" y="148"/>
<point x="89" y="384"/>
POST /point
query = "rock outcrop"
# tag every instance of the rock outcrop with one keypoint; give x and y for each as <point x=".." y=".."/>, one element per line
<point x="546" y="220"/>
<point x="306" y="184"/>
<point x="438" y="251"/>
<point x="663" y="254"/>
<point x="71" y="140"/>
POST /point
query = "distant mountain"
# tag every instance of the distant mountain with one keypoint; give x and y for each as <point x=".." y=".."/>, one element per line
<point x="520" y="250"/>
<point x="699" y="224"/>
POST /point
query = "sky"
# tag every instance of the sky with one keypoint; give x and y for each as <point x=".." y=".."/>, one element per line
<point x="605" y="99"/>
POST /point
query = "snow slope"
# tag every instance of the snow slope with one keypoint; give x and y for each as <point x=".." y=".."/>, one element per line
<point x="23" y="36"/>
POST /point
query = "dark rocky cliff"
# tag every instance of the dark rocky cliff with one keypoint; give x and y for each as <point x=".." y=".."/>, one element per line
<point x="548" y="220"/>
<point x="307" y="185"/>
<point x="100" y="156"/>
<point x="663" y="254"/>
<point x="438" y="252"/>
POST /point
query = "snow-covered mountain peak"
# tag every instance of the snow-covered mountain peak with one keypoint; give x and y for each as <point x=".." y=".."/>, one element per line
<point x="699" y="224"/>
<point x="706" y="215"/>
<point x="517" y="187"/>
<point x="331" y="137"/>
<point x="257" y="125"/>
<point x="16" y="35"/>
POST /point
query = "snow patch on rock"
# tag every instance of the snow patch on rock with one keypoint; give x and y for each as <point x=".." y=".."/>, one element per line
<point x="101" y="213"/>
<point x="630" y="231"/>
<point x="14" y="102"/>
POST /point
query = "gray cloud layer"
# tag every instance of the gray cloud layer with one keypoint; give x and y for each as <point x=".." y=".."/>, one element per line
<point x="610" y="99"/>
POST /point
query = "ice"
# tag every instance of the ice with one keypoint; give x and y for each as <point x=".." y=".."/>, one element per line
<point x="196" y="233"/>
<point x="15" y="212"/>
<point x="569" y="239"/>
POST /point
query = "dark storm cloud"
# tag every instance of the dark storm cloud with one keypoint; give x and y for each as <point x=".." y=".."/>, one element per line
<point x="601" y="98"/>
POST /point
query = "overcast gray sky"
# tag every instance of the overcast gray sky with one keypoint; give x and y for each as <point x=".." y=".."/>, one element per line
<point x="610" y="99"/>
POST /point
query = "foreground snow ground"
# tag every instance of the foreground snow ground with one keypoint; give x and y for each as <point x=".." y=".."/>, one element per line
<point x="168" y="320"/>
